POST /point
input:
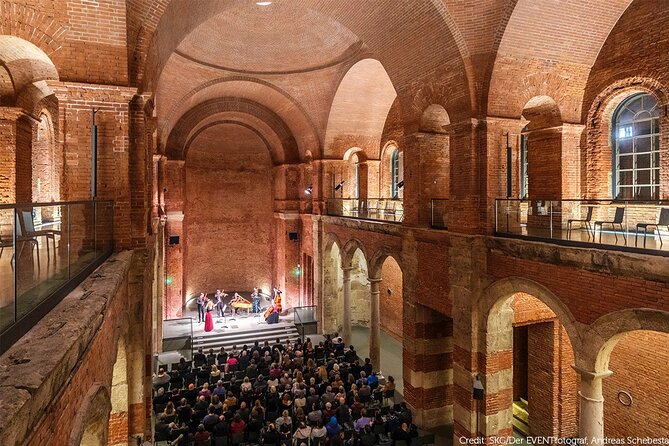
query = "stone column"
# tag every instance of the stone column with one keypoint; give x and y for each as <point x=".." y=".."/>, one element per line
<point x="375" y="324"/>
<point x="591" y="413"/>
<point x="346" y="323"/>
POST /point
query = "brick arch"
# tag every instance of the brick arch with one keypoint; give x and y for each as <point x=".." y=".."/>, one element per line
<point x="266" y="93"/>
<point x="203" y="128"/>
<point x="603" y="334"/>
<point x="516" y="300"/>
<point x="598" y="151"/>
<point x="25" y="63"/>
<point x="179" y="135"/>
<point x="32" y="25"/>
<point x="378" y="259"/>
<point x="497" y="294"/>
<point x="521" y="69"/>
<point x="90" y="425"/>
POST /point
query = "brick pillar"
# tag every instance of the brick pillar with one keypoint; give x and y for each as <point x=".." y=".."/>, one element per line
<point x="427" y="350"/>
<point x="466" y="267"/>
<point x="466" y="182"/>
<point x="15" y="156"/>
<point x="426" y="175"/>
<point x="174" y="263"/>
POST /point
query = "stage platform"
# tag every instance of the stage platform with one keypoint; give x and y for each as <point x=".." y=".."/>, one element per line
<point x="238" y="330"/>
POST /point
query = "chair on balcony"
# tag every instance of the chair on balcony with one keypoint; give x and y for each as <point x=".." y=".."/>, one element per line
<point x="617" y="221"/>
<point x="389" y="210"/>
<point x="586" y="221"/>
<point x="28" y="228"/>
<point x="662" y="222"/>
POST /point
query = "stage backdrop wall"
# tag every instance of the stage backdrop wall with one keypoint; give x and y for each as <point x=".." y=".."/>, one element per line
<point x="228" y="218"/>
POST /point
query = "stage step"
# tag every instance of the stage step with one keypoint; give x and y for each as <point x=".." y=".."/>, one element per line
<point x="227" y="337"/>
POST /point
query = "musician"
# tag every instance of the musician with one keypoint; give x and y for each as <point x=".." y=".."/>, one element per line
<point x="219" y="301"/>
<point x="200" y="308"/>
<point x="255" y="298"/>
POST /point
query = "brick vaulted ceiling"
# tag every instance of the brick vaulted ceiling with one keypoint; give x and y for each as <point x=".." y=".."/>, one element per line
<point x="290" y="57"/>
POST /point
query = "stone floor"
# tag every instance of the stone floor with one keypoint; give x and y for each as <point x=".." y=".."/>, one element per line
<point x="391" y="355"/>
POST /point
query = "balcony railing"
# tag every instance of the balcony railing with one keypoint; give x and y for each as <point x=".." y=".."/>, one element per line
<point x="439" y="213"/>
<point x="627" y="225"/>
<point x="46" y="250"/>
<point x="378" y="209"/>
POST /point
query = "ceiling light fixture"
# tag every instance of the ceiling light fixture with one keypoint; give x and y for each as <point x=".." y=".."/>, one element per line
<point x="263" y="3"/>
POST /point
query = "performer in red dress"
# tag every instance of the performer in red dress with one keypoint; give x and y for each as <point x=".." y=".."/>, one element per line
<point x="209" y="319"/>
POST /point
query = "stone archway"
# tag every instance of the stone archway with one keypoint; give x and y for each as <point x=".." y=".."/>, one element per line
<point x="552" y="342"/>
<point x="119" y="393"/>
<point x="92" y="419"/>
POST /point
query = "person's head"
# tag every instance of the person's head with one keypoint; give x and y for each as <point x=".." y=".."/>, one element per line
<point x="161" y="391"/>
<point x="205" y="386"/>
<point x="242" y="405"/>
<point x="182" y="360"/>
<point x="302" y="425"/>
<point x="405" y="427"/>
<point x="328" y="406"/>
<point x="184" y="401"/>
<point x="246" y="379"/>
<point x="201" y="398"/>
<point x="230" y="395"/>
<point x="391" y="379"/>
<point x="333" y="421"/>
<point x="219" y="383"/>
<point x="191" y="386"/>
<point x="161" y="371"/>
<point x="363" y="412"/>
<point x="238" y="418"/>
<point x="272" y="426"/>
<point x="342" y="401"/>
<point x="211" y="410"/>
<point x="285" y="414"/>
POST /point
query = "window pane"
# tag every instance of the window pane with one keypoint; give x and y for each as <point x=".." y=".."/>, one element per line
<point x="625" y="116"/>
<point x="642" y="128"/>
<point x="643" y="177"/>
<point x="656" y="176"/>
<point x="641" y="145"/>
<point x="656" y="192"/>
<point x="625" y="193"/>
<point x="644" y="193"/>
<point x="626" y="178"/>
<point x="625" y="145"/>
<point x="626" y="162"/>
<point x="643" y="161"/>
<point x="656" y="159"/>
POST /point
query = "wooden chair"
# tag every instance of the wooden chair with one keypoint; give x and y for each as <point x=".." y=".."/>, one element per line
<point x="586" y="221"/>
<point x="617" y="221"/>
<point x="662" y="222"/>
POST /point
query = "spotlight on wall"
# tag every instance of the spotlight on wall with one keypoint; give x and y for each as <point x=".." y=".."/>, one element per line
<point x="389" y="291"/>
<point x="400" y="185"/>
<point x="340" y="185"/>
<point x="308" y="190"/>
<point x="263" y="3"/>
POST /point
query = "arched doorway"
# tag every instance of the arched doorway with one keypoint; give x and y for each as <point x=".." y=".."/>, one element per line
<point x="530" y="385"/>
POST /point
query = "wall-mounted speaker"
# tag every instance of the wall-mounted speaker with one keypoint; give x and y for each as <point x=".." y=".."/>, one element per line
<point x="293" y="236"/>
<point x="174" y="239"/>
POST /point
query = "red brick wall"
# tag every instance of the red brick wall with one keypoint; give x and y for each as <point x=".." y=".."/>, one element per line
<point x="587" y="294"/>
<point x="229" y="220"/>
<point x="640" y="366"/>
<point x="542" y="383"/>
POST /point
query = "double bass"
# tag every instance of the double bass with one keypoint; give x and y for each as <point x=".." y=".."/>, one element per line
<point x="275" y="307"/>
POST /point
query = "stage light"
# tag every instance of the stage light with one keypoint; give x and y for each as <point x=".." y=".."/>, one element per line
<point x="400" y="185"/>
<point x="308" y="190"/>
<point x="296" y="271"/>
<point x="340" y="185"/>
<point x="168" y="281"/>
<point x="263" y="3"/>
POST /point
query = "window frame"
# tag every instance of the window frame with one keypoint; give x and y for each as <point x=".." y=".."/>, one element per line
<point x="653" y="154"/>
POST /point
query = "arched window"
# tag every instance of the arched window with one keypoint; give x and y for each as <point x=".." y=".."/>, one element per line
<point x="524" y="177"/>
<point x="636" y="136"/>
<point x="357" y="179"/>
<point x="394" y="173"/>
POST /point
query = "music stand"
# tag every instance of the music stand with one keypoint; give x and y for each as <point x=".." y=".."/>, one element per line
<point x="225" y="319"/>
